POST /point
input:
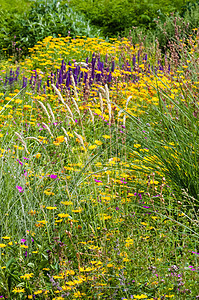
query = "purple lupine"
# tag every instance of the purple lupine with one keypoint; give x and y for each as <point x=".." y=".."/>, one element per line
<point x="69" y="69"/>
<point x="138" y="56"/>
<point x="39" y="85"/>
<point x="109" y="77"/>
<point x="51" y="77"/>
<point x="134" y="60"/>
<point x="6" y="80"/>
<point x="113" y="66"/>
<point x="60" y="80"/>
<point x="85" y="77"/>
<point x="68" y="79"/>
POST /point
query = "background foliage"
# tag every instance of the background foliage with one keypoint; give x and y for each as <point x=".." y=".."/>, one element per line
<point x="22" y="30"/>
<point x="115" y="16"/>
<point x="23" y="23"/>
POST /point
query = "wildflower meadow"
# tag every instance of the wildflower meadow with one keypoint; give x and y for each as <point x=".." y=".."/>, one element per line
<point x="99" y="165"/>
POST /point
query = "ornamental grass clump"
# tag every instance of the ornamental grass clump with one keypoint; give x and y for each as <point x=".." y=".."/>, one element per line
<point x="171" y="133"/>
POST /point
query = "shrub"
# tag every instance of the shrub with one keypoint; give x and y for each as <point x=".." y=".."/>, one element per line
<point x="114" y="17"/>
<point x="22" y="31"/>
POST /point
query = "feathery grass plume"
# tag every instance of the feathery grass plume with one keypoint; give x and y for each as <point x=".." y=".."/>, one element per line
<point x="74" y="86"/>
<point x="64" y="130"/>
<point x="102" y="89"/>
<point x="47" y="128"/>
<point x="66" y="138"/>
<point x="22" y="141"/>
<point x="91" y="114"/>
<point x="106" y="93"/>
<point x="62" y="100"/>
<point x="45" y="109"/>
<point x="127" y="102"/>
<point x="75" y="103"/>
<point x="51" y="112"/>
<point x="80" y="139"/>
<point x="34" y="138"/>
<point x="101" y="103"/>
<point x="119" y="113"/>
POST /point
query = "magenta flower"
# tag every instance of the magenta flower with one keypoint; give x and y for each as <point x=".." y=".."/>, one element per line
<point x="195" y="253"/>
<point x="20" y="162"/>
<point x="53" y="176"/>
<point x="20" y="189"/>
<point x="97" y="180"/>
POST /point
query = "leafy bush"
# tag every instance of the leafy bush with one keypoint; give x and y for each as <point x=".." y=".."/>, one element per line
<point x="22" y="31"/>
<point x="115" y="16"/>
<point x="10" y="6"/>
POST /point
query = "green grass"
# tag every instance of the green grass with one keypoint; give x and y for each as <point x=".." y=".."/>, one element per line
<point x="93" y="210"/>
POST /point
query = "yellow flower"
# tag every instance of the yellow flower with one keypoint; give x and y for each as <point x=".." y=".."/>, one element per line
<point x="48" y="193"/>
<point x="5" y="237"/>
<point x="99" y="143"/>
<point x="2" y="245"/>
<point x="58" y="277"/>
<point x="60" y="139"/>
<point x="27" y="276"/>
<point x="67" y="203"/>
<point x="140" y="296"/>
<point x="51" y="207"/>
<point x="77" y="210"/>
<point x="92" y="147"/>
<point x="38" y="292"/>
<point x="18" y="290"/>
<point x="42" y="222"/>
<point x="137" y="145"/>
<point x="24" y="246"/>
<point x="63" y="215"/>
<point x="106" y="136"/>
<point x="27" y="107"/>
<point x="38" y="155"/>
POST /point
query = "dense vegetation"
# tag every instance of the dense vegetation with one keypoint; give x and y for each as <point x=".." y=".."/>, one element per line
<point x="99" y="157"/>
<point x="24" y="23"/>
<point x="22" y="30"/>
<point x="116" y="17"/>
